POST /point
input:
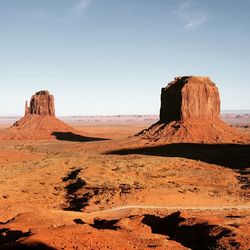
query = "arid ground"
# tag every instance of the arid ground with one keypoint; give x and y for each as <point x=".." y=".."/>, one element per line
<point x="109" y="190"/>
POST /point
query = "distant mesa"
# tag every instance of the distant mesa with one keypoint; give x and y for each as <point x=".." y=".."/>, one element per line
<point x="190" y="112"/>
<point x="39" y="122"/>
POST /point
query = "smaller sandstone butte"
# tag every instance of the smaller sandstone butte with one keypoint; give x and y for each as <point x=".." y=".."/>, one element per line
<point x="42" y="103"/>
<point x="190" y="112"/>
<point x="39" y="122"/>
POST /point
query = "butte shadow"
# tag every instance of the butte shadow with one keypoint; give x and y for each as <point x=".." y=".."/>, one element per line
<point x="41" y="123"/>
<point x="69" y="136"/>
<point x="190" y="127"/>
<point x="234" y="156"/>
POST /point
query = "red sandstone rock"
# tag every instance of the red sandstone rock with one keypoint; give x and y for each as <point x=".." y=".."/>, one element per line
<point x="190" y="98"/>
<point x="42" y="103"/>
<point x="39" y="122"/>
<point x="190" y="109"/>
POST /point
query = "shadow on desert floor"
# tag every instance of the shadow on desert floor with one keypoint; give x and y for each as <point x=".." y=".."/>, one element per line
<point x="69" y="136"/>
<point x="234" y="156"/>
<point x="12" y="239"/>
<point x="189" y="232"/>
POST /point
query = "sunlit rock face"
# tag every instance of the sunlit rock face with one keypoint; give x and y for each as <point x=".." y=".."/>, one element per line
<point x="190" y="113"/>
<point x="42" y="103"/>
<point x="39" y="121"/>
<point x="190" y="97"/>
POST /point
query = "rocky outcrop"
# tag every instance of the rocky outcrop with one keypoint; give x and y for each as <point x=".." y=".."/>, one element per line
<point x="190" y="110"/>
<point x="190" y="98"/>
<point x="39" y="122"/>
<point x="42" y="103"/>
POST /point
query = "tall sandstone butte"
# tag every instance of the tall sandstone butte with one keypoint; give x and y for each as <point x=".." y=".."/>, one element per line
<point x="190" y="98"/>
<point x="42" y="103"/>
<point x="190" y="112"/>
<point x="39" y="121"/>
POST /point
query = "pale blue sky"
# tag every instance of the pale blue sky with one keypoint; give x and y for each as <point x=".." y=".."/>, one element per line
<point x="114" y="56"/>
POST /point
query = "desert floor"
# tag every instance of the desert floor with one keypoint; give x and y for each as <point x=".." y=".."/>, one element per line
<point x="109" y="191"/>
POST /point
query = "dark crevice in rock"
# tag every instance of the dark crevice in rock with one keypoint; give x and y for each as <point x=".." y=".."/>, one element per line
<point x="72" y="175"/>
<point x="79" y="221"/>
<point x="75" y="202"/>
<point x="8" y="237"/>
<point x="105" y="224"/>
<point x="192" y="233"/>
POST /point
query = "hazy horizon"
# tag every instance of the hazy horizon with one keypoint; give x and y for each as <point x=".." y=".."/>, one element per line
<point x="113" y="57"/>
<point x="235" y="111"/>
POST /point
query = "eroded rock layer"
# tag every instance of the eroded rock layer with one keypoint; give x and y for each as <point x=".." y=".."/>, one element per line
<point x="190" y="98"/>
<point x="39" y="122"/>
<point x="190" y="110"/>
<point x="42" y="103"/>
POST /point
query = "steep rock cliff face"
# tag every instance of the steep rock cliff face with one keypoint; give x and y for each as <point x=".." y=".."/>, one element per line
<point x="42" y="103"/>
<point x="190" y="112"/>
<point x="39" y="122"/>
<point x="190" y="98"/>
